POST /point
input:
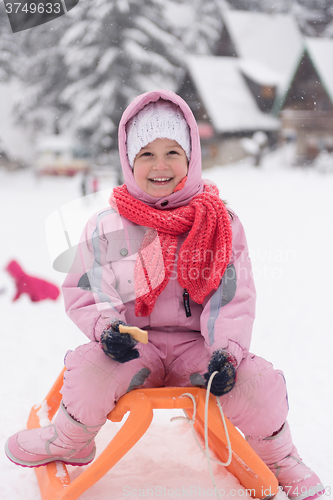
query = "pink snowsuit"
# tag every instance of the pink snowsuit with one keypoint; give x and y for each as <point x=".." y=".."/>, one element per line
<point x="100" y="288"/>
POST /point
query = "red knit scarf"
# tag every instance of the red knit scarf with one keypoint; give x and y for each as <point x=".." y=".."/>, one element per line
<point x="203" y="257"/>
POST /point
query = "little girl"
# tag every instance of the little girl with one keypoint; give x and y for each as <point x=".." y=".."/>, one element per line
<point x="169" y="257"/>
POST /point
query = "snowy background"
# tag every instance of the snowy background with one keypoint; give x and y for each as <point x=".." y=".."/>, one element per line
<point x="80" y="70"/>
<point x="288" y="214"/>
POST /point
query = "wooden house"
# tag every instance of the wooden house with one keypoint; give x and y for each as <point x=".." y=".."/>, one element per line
<point x="269" y="44"/>
<point x="306" y="107"/>
<point x="232" y="93"/>
<point x="224" y="108"/>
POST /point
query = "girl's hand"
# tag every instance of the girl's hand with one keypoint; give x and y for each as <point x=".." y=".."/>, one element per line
<point x="118" y="346"/>
<point x="225" y="364"/>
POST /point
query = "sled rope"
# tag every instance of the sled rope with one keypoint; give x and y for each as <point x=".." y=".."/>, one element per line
<point x="191" y="422"/>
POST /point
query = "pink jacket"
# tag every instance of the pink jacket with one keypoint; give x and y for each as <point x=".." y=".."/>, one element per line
<point x="100" y="286"/>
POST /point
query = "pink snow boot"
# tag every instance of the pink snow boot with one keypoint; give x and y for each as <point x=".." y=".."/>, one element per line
<point x="66" y="440"/>
<point x="280" y="455"/>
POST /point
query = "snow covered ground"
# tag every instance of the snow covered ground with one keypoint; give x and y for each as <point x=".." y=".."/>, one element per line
<point x="288" y="217"/>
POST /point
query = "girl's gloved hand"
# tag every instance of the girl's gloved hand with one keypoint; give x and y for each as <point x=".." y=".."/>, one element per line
<point x="224" y="363"/>
<point x="118" y="346"/>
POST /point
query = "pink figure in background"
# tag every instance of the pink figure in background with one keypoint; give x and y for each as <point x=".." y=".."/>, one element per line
<point x="36" y="288"/>
<point x="94" y="184"/>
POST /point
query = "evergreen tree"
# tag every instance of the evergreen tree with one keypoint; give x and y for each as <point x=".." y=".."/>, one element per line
<point x="9" y="48"/>
<point x="43" y="74"/>
<point x="199" y="23"/>
<point x="328" y="30"/>
<point x="313" y="16"/>
<point x="115" y="51"/>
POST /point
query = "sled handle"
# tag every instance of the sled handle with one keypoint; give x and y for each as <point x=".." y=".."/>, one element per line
<point x="135" y="332"/>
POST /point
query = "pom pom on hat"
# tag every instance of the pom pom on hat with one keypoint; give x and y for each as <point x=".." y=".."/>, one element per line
<point x="158" y="120"/>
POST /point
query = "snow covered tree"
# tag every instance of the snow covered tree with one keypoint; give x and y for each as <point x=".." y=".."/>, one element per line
<point x="313" y="16"/>
<point x="43" y="74"/>
<point x="115" y="51"/>
<point x="9" y="48"/>
<point x="196" y="23"/>
<point x="81" y="70"/>
<point x="328" y="30"/>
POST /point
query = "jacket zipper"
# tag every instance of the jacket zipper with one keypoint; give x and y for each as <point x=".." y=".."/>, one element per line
<point x="186" y="300"/>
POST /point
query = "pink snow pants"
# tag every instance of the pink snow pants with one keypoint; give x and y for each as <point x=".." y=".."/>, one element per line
<point x="93" y="382"/>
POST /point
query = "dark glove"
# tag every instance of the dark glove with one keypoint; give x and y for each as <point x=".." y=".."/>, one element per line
<point x="224" y="363"/>
<point x="118" y="346"/>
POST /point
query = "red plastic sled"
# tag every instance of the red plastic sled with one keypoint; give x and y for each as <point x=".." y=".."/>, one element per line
<point x="246" y="466"/>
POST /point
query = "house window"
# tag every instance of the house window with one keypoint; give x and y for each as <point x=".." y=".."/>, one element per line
<point x="267" y="92"/>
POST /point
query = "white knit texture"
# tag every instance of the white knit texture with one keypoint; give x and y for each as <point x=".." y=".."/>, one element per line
<point x="158" y="120"/>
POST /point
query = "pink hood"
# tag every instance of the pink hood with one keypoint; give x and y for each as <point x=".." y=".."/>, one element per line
<point x="194" y="182"/>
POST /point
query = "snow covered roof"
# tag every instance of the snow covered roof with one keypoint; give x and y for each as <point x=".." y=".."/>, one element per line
<point x="260" y="73"/>
<point x="273" y="40"/>
<point x="226" y="96"/>
<point x="320" y="51"/>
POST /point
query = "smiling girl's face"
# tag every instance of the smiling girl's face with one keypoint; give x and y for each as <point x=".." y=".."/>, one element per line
<point x="159" y="167"/>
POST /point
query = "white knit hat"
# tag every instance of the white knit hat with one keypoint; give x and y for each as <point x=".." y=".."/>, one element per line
<point x="158" y="120"/>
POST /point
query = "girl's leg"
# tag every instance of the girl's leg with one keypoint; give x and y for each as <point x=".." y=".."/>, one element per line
<point x="258" y="406"/>
<point x="92" y="384"/>
<point x="258" y="403"/>
<point x="281" y="456"/>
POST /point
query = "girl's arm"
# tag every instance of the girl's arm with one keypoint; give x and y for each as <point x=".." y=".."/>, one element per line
<point x="228" y="315"/>
<point x="90" y="296"/>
